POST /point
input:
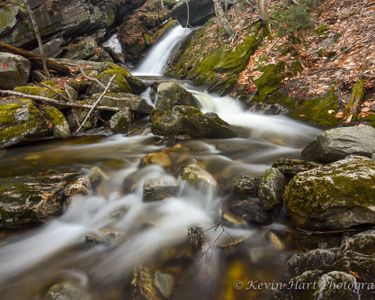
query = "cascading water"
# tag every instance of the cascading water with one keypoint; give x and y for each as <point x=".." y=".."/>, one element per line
<point x="133" y="232"/>
<point x="155" y="62"/>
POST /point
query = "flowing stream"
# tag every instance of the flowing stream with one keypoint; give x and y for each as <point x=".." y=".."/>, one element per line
<point x="150" y="233"/>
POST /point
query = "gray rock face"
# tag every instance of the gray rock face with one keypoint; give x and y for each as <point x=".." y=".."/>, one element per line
<point x="336" y="196"/>
<point x="271" y="189"/>
<point x="125" y="101"/>
<point x="14" y="70"/>
<point x="338" y="143"/>
<point x="189" y="120"/>
<point x="170" y="94"/>
<point x="67" y="18"/>
<point x="120" y="122"/>
<point x="195" y="175"/>
<point x="199" y="12"/>
<point x="246" y="186"/>
<point x="32" y="199"/>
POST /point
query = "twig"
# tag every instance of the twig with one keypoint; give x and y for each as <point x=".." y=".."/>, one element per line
<point x="55" y="102"/>
<point x="96" y="103"/>
<point x="85" y="74"/>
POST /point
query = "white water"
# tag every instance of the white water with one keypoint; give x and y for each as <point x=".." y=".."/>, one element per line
<point x="156" y="60"/>
<point x="114" y="44"/>
<point x="143" y="229"/>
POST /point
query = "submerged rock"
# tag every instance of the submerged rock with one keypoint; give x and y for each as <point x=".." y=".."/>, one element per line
<point x="67" y="291"/>
<point x="331" y="286"/>
<point x="195" y="175"/>
<point x="158" y="158"/>
<point x="14" y="70"/>
<point x="271" y="189"/>
<point x="164" y="283"/>
<point x="338" y="143"/>
<point x="336" y="196"/>
<point x="189" y="120"/>
<point x="32" y="199"/>
<point x="170" y="94"/>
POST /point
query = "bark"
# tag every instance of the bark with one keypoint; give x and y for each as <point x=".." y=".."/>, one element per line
<point x="223" y="22"/>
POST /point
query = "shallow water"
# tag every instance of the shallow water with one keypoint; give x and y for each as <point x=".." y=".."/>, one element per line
<point x="153" y="234"/>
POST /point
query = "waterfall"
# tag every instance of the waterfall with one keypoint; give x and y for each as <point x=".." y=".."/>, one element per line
<point x="156" y="61"/>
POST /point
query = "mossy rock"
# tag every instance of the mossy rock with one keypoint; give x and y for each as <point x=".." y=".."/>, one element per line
<point x="53" y="92"/>
<point x="136" y="84"/>
<point x="32" y="199"/>
<point x="60" y="125"/>
<point x="336" y="196"/>
<point x="20" y="120"/>
<point x="8" y="18"/>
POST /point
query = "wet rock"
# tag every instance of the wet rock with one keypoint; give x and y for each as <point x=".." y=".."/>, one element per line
<point x="250" y="210"/>
<point x="164" y="283"/>
<point x="246" y="186"/>
<point x="158" y="158"/>
<point x="170" y="94"/>
<point x="318" y="259"/>
<point x="67" y="291"/>
<point x="120" y="122"/>
<point x="142" y="285"/>
<point x="331" y="286"/>
<point x="61" y="127"/>
<point x="189" y="120"/>
<point x="231" y="219"/>
<point x="20" y="121"/>
<point x="363" y="242"/>
<point x="14" y="70"/>
<point x="336" y="196"/>
<point x="338" y="143"/>
<point x="32" y="199"/>
<point x="78" y="186"/>
<point x="290" y="167"/>
<point x="271" y="189"/>
<point x="196" y="237"/>
<point x="196" y="176"/>
<point x="159" y="189"/>
<point x="124" y="101"/>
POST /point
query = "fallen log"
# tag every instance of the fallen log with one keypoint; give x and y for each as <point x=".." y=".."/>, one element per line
<point x="35" y="59"/>
<point x="56" y="102"/>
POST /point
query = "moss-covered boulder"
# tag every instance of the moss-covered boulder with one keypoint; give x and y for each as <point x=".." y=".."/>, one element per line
<point x="271" y="189"/>
<point x="246" y="186"/>
<point x="32" y="199"/>
<point x="196" y="176"/>
<point x="170" y="94"/>
<point x="20" y="120"/>
<point x="189" y="120"/>
<point x="335" y="144"/>
<point x="336" y="196"/>
<point x="120" y="122"/>
<point x="61" y="127"/>
<point x="14" y="70"/>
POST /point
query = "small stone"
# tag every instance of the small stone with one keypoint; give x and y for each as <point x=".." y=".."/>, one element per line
<point x="158" y="158"/>
<point x="158" y="189"/>
<point x="246" y="186"/>
<point x="197" y="176"/>
<point x="67" y="291"/>
<point x="164" y="283"/>
<point x="271" y="189"/>
<point x="120" y="122"/>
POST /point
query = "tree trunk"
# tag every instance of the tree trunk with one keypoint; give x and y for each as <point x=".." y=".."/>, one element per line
<point x="222" y="19"/>
<point x="38" y="37"/>
<point x="262" y="8"/>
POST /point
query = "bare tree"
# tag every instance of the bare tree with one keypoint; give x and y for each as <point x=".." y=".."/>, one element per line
<point x="38" y="37"/>
<point x="223" y="22"/>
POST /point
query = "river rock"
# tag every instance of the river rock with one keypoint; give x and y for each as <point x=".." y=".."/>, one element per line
<point x="250" y="210"/>
<point x="189" y="120"/>
<point x="336" y="196"/>
<point x="337" y="143"/>
<point x="164" y="283"/>
<point x="157" y="158"/>
<point x="331" y="287"/>
<point x="363" y="242"/>
<point x="196" y="176"/>
<point x="159" y="189"/>
<point x="20" y="120"/>
<point x="271" y="189"/>
<point x="318" y="259"/>
<point x="170" y="94"/>
<point x="32" y="199"/>
<point x="120" y="122"/>
<point x="14" y="70"/>
<point x="246" y="186"/>
<point x="291" y="167"/>
<point x="67" y="291"/>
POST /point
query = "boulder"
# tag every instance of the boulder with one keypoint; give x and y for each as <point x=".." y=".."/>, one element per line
<point x="158" y="189"/>
<point x="291" y="167"/>
<point x="14" y="70"/>
<point x="250" y="210"/>
<point x="189" y="120"/>
<point x="337" y="143"/>
<point x="196" y="176"/>
<point x="20" y="121"/>
<point x="336" y="196"/>
<point x="246" y="186"/>
<point x="32" y="199"/>
<point x="125" y="102"/>
<point x="199" y="12"/>
<point x="8" y="17"/>
<point x="120" y="122"/>
<point x="170" y="94"/>
<point x="271" y="189"/>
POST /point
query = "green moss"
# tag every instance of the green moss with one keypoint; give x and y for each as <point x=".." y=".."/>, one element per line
<point x="358" y="93"/>
<point x="322" y="28"/>
<point x="119" y="85"/>
<point x="269" y="81"/>
<point x="165" y="28"/>
<point x="54" y="115"/>
<point x="40" y="91"/>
